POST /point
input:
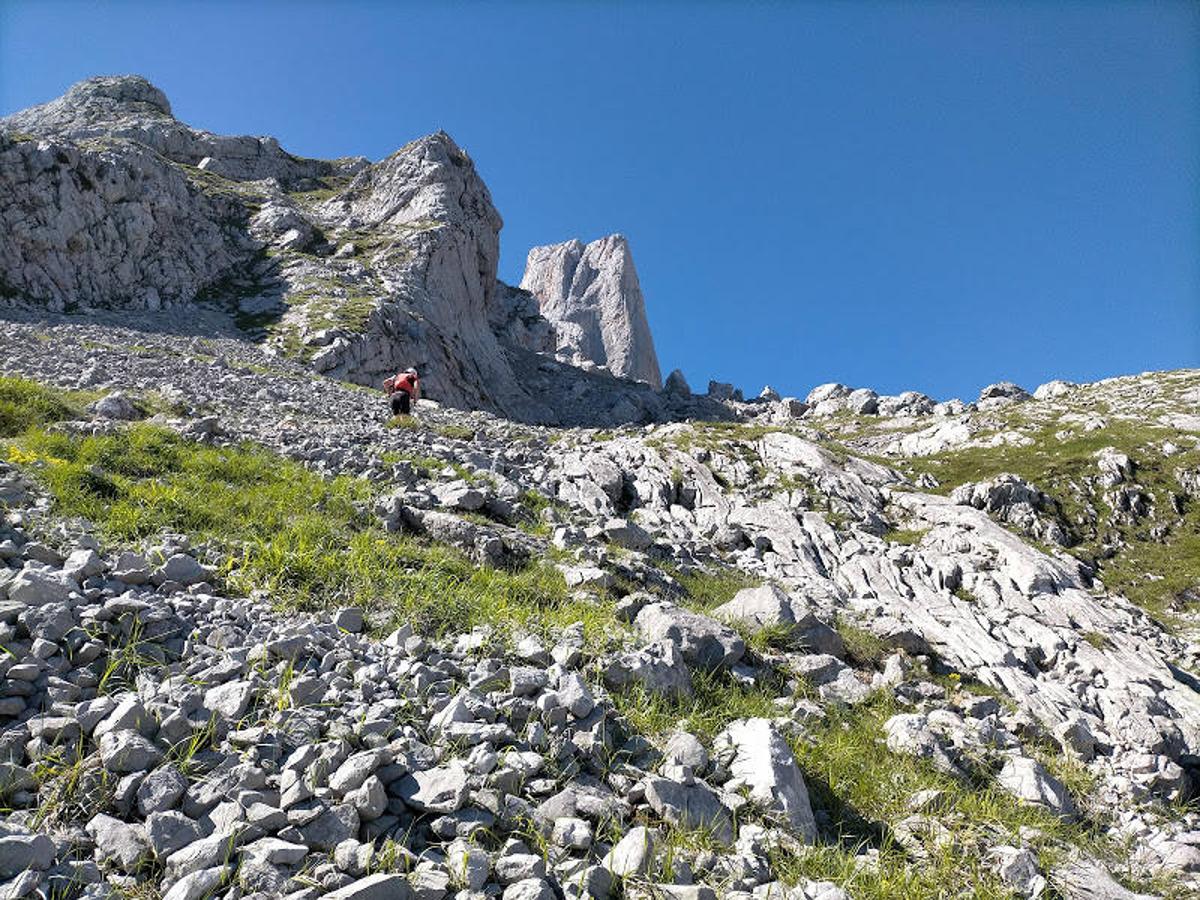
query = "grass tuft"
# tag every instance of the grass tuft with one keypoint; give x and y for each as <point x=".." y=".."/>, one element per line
<point x="24" y="404"/>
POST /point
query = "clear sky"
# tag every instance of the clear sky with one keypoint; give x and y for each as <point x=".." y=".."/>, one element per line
<point x="896" y="195"/>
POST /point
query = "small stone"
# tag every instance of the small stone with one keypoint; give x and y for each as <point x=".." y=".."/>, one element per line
<point x="529" y="889"/>
<point x="197" y="884"/>
<point x="634" y="853"/>
<point x="19" y="852"/>
<point x="349" y="618"/>
<point x="572" y="833"/>
<point x="160" y="790"/>
<point x="128" y="751"/>
<point x="381" y="886"/>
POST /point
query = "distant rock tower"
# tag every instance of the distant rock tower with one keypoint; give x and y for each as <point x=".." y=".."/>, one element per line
<point x="591" y="295"/>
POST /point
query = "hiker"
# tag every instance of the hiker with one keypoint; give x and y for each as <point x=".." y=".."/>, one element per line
<point x="403" y="390"/>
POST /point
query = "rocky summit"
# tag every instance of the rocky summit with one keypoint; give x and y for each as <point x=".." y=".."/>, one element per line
<point x="560" y="633"/>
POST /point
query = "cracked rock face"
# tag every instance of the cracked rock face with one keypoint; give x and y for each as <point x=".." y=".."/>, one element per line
<point x="591" y="295"/>
<point x="109" y="225"/>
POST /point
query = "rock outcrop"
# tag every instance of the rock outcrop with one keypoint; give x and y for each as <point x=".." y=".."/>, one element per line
<point x="592" y="297"/>
<point x="131" y="108"/>
<point x="112" y="225"/>
<point x="107" y="201"/>
<point x="433" y="296"/>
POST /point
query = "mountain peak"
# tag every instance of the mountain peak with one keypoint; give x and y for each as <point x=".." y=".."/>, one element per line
<point x="121" y="91"/>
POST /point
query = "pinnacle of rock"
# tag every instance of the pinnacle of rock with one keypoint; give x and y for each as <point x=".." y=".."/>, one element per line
<point x="591" y="294"/>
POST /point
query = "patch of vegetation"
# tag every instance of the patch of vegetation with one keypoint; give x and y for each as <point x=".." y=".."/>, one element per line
<point x="331" y="186"/>
<point x="72" y="786"/>
<point x="416" y="460"/>
<point x="240" y="192"/>
<point x="25" y="403"/>
<point x="708" y="589"/>
<point x="455" y="432"/>
<point x="534" y="504"/>
<point x="964" y="595"/>
<point x="330" y="305"/>
<point x="717" y="701"/>
<point x="1154" y="560"/>
<point x="862" y="647"/>
<point x="908" y="536"/>
<point x="714" y="435"/>
<point x="307" y="541"/>
<point x="860" y="786"/>
<point x="405" y="423"/>
<point x="1096" y="639"/>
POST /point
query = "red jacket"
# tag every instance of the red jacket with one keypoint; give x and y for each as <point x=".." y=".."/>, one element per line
<point x="410" y="384"/>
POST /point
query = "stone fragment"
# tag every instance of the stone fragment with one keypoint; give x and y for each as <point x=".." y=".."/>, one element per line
<point x="704" y="642"/>
<point x="762" y="762"/>
<point x="380" y="886"/>
<point x="769" y="606"/>
<point x="634" y="853"/>
<point x="1027" y="780"/>
<point x="440" y="790"/>
<point x="19" y="852"/>
<point x="693" y="807"/>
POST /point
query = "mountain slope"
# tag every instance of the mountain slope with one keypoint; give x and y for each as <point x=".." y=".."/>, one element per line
<point x="1034" y="725"/>
<point x="356" y="268"/>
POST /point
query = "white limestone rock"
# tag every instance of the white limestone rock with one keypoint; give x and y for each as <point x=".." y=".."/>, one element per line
<point x="592" y="297"/>
<point x="761" y="760"/>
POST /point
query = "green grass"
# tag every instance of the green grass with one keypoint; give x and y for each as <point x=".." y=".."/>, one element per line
<point x="1154" y="571"/>
<point x="965" y="595"/>
<point x="286" y="530"/>
<point x="533" y="505"/>
<point x="1096" y="639"/>
<point x="417" y="460"/>
<point x="862" y="647"/>
<point x="713" y="435"/>
<point x="72" y="787"/>
<point x="717" y="701"/>
<point x="860" y="785"/>
<point x="1047" y="460"/>
<point x="907" y="536"/>
<point x="26" y="403"/>
<point x="403" y="423"/>
<point x="709" y="589"/>
<point x="455" y="432"/>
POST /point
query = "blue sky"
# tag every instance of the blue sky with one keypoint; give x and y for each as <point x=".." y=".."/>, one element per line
<point x="923" y="195"/>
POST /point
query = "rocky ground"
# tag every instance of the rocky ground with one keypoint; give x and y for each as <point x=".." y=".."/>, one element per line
<point x="860" y="646"/>
<point x="262" y="640"/>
